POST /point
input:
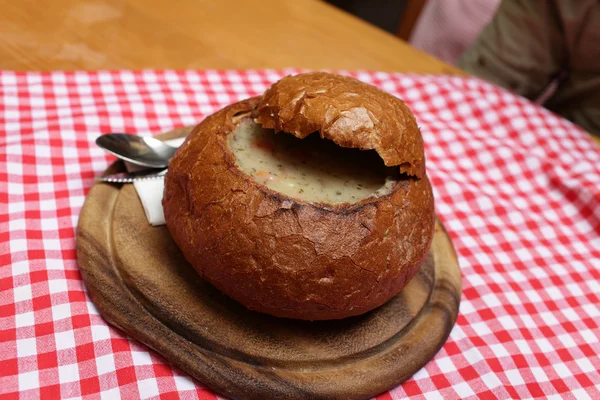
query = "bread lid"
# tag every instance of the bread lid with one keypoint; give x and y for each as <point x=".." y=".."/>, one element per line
<point x="348" y="112"/>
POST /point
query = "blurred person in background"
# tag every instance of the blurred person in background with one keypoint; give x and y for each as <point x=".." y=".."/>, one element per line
<point x="445" y="28"/>
<point x="547" y="51"/>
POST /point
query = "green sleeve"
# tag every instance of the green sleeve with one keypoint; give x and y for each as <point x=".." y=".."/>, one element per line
<point x="521" y="49"/>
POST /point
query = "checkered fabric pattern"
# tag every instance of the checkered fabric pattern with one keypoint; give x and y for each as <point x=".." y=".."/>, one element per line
<point x="517" y="187"/>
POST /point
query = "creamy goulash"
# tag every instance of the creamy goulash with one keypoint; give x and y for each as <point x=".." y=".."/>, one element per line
<point x="311" y="169"/>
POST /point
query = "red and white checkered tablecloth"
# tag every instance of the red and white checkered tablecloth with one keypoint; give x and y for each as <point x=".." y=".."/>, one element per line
<point x="517" y="188"/>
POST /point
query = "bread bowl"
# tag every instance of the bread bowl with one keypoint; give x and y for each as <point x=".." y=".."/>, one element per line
<point x="298" y="254"/>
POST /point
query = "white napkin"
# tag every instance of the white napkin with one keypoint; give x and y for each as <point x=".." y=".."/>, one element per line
<point x="150" y="191"/>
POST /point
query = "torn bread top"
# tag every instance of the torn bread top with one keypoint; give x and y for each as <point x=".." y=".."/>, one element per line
<point x="347" y="111"/>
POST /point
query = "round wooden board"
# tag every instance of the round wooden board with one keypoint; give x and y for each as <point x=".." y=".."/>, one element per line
<point x="142" y="284"/>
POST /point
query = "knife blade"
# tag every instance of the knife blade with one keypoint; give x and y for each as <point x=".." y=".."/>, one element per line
<point x="129" y="177"/>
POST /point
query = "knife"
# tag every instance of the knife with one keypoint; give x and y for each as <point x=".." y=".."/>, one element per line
<point x="129" y="177"/>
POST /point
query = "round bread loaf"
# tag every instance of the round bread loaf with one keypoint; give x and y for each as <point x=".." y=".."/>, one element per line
<point x="287" y="256"/>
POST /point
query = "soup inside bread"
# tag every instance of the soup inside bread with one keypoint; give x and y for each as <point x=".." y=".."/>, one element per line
<point x="311" y="169"/>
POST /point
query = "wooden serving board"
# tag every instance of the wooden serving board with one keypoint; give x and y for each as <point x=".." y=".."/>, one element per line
<point x="142" y="284"/>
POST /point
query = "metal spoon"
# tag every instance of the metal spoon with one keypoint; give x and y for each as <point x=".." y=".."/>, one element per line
<point x="144" y="151"/>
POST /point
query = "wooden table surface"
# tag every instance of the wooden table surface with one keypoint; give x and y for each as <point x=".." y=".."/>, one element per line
<point x="136" y="34"/>
<point x="198" y="34"/>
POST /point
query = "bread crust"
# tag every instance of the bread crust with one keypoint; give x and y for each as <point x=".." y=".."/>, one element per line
<point x="285" y="256"/>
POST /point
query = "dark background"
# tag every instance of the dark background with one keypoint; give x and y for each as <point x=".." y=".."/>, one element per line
<point x="386" y="14"/>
